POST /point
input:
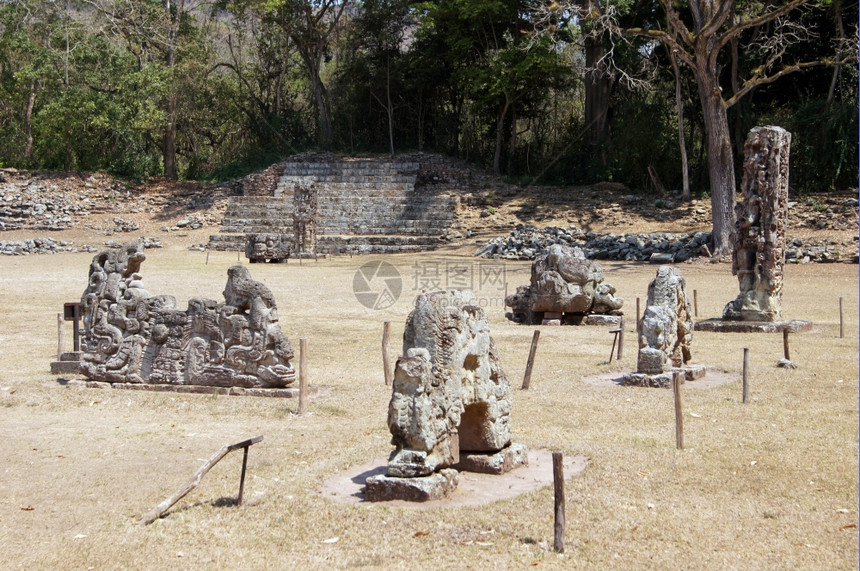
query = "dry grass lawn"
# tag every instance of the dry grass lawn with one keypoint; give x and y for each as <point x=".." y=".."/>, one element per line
<point x="772" y="484"/>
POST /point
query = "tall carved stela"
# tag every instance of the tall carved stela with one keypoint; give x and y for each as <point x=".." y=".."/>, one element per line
<point x="305" y="219"/>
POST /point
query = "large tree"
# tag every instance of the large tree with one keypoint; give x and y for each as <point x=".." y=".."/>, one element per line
<point x="700" y="33"/>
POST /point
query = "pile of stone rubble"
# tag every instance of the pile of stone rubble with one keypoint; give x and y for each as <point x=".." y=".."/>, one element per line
<point x="51" y="246"/>
<point x="526" y="241"/>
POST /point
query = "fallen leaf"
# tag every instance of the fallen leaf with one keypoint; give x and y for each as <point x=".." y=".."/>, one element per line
<point x="13" y="392"/>
<point x="849" y="526"/>
<point x="331" y="540"/>
<point x="421" y="533"/>
<point x="27" y="508"/>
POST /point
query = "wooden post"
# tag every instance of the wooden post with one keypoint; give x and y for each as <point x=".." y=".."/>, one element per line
<point x="785" y="344"/>
<point x="841" y="321"/>
<point x="558" y="484"/>
<point x="162" y="508"/>
<point x="207" y="258"/>
<point x="695" y="303"/>
<point x="527" y="378"/>
<point x="638" y="317"/>
<point x="746" y="386"/>
<point x="679" y="419"/>
<point x="386" y="353"/>
<point x="59" y="335"/>
<point x="303" y="375"/>
<point x="621" y="339"/>
<point x="242" y="477"/>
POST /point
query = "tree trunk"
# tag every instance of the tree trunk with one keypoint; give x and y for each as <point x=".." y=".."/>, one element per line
<point x="312" y="64"/>
<point x="500" y="136"/>
<point x="597" y="88"/>
<point x="679" y="102"/>
<point x="169" y="146"/>
<point x="721" y="167"/>
<point x="389" y="107"/>
<point x="28" y="121"/>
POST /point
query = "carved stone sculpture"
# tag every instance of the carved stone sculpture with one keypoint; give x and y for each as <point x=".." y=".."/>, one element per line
<point x="666" y="327"/>
<point x="271" y="247"/>
<point x="131" y="336"/>
<point x="451" y="400"/>
<point x="564" y="286"/>
<point x="758" y="239"/>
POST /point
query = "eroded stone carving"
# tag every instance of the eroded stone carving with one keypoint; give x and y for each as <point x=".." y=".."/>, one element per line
<point x="564" y="286"/>
<point x="758" y="239"/>
<point x="131" y="336"/>
<point x="666" y="327"/>
<point x="665" y="332"/>
<point x="450" y="397"/>
<point x="261" y="247"/>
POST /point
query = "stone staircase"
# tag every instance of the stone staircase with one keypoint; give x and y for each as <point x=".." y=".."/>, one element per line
<point x="363" y="205"/>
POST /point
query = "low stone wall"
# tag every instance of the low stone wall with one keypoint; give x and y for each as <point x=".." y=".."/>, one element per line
<point x="525" y="242"/>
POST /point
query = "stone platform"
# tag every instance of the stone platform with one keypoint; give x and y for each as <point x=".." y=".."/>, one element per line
<point x="436" y="486"/>
<point x="290" y="392"/>
<point x="728" y="326"/>
<point x="69" y="364"/>
<point x="364" y="206"/>
<point x="663" y="380"/>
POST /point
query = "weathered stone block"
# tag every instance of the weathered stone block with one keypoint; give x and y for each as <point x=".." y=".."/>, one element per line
<point x="435" y="486"/>
<point x="500" y="462"/>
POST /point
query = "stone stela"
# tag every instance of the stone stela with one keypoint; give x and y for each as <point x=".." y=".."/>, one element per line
<point x="665" y="333"/>
<point x="758" y="238"/>
<point x="565" y="288"/>
<point x="451" y="402"/>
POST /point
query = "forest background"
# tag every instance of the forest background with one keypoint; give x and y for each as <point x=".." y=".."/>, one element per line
<point x="564" y="92"/>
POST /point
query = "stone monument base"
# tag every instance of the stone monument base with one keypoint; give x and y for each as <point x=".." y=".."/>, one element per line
<point x="729" y="326"/>
<point x="69" y="364"/>
<point x="436" y="486"/>
<point x="663" y="380"/>
<point x="497" y="463"/>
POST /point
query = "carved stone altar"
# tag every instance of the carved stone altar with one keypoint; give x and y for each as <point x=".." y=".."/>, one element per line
<point x="131" y="336"/>
<point x="261" y="247"/>
<point x="565" y="288"/>
<point x="665" y="333"/>
<point x="451" y="402"/>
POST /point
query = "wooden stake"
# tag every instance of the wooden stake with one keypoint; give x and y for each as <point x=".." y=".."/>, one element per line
<point x="386" y="353"/>
<point x="242" y="477"/>
<point x="59" y="335"/>
<point x="679" y="419"/>
<point x="558" y="482"/>
<point x="841" y="321"/>
<point x="746" y="386"/>
<point x="162" y="508"/>
<point x="695" y="303"/>
<point x="207" y="258"/>
<point x="621" y="339"/>
<point x="638" y="317"/>
<point x="785" y="344"/>
<point x="527" y="378"/>
<point x="303" y="375"/>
